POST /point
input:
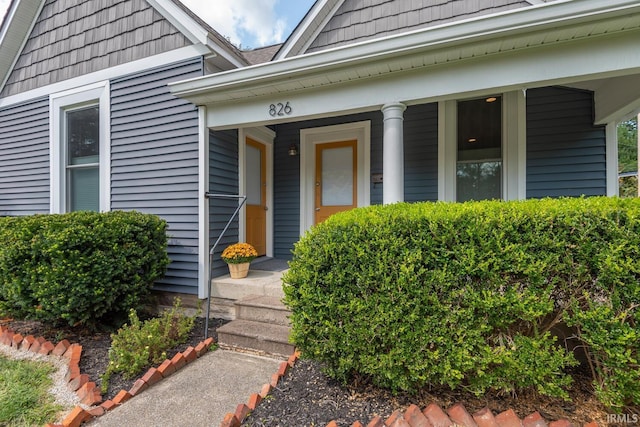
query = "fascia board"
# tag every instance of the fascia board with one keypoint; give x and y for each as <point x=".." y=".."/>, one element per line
<point x="553" y="15"/>
<point x="187" y="26"/>
<point x="194" y="31"/>
<point x="14" y="33"/>
<point x="321" y="12"/>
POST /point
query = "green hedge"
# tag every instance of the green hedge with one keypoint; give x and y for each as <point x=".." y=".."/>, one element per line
<point x="81" y="268"/>
<point x="466" y="295"/>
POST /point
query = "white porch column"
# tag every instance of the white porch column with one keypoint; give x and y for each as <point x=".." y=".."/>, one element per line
<point x="393" y="153"/>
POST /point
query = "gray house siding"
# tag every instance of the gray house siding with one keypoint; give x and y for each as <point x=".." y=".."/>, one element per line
<point x="223" y="179"/>
<point x="24" y="158"/>
<point x="73" y="38"/>
<point x="358" y="20"/>
<point x="421" y="153"/>
<point x="421" y="166"/>
<point x="566" y="152"/>
<point x="154" y="161"/>
<point x="286" y="193"/>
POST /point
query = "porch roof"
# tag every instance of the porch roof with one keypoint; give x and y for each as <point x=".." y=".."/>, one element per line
<point x="563" y="42"/>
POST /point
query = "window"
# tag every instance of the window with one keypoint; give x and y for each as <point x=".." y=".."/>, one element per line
<point x="80" y="178"/>
<point x="479" y="154"/>
<point x="82" y="139"/>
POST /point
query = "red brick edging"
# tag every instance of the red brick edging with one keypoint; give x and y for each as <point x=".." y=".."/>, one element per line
<point x="431" y="416"/>
<point x="235" y="419"/>
<point x="86" y="390"/>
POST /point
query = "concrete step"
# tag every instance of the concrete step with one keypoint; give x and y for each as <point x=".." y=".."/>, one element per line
<point x="264" y="309"/>
<point x="225" y="291"/>
<point x="257" y="282"/>
<point x="255" y="336"/>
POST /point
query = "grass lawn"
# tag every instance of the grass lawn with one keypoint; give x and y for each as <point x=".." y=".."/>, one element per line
<point x="24" y="397"/>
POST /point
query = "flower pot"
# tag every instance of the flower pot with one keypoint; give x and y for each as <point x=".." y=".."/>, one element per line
<point x="239" y="271"/>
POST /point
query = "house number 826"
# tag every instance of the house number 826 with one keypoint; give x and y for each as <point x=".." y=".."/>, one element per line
<point x="279" y="109"/>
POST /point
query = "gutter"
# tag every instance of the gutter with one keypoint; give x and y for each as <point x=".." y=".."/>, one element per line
<point x="537" y="18"/>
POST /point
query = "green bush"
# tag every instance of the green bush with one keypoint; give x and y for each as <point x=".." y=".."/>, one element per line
<point x="466" y="295"/>
<point x="81" y="268"/>
<point x="140" y="344"/>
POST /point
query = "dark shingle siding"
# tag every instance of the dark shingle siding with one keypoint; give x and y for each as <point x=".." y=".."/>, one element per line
<point x="359" y="20"/>
<point x="75" y="37"/>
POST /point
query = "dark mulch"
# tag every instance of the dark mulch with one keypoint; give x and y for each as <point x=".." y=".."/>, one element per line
<point x="95" y="347"/>
<point x="306" y="397"/>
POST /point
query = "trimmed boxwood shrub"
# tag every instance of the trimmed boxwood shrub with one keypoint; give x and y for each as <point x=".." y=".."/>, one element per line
<point x="467" y="295"/>
<point x="80" y="268"/>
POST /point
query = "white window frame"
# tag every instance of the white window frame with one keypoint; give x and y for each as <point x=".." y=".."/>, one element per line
<point x="514" y="147"/>
<point x="59" y="103"/>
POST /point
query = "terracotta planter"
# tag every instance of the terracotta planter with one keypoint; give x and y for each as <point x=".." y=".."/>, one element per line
<point x="239" y="271"/>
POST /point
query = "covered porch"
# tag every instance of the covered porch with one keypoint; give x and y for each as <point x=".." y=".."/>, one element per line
<point x="508" y="106"/>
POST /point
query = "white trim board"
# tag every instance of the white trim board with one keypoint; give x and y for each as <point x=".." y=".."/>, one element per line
<point x="203" y="204"/>
<point x="107" y="74"/>
<point x="560" y="64"/>
<point x="97" y="93"/>
<point x="309" y="138"/>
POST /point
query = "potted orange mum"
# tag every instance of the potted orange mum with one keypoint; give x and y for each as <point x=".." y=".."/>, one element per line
<point x="239" y="256"/>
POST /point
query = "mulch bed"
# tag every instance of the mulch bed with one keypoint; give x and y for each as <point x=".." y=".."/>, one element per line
<point x="307" y="397"/>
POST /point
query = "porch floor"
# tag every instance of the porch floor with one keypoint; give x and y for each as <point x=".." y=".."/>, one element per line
<point x="264" y="279"/>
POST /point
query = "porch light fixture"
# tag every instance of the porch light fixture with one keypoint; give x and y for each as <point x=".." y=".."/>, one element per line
<point x="293" y="150"/>
<point x="491" y="99"/>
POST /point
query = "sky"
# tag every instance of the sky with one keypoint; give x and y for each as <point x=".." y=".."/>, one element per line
<point x="246" y="23"/>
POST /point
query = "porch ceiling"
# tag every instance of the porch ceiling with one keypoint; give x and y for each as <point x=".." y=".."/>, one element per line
<point x="617" y="98"/>
<point x="544" y="34"/>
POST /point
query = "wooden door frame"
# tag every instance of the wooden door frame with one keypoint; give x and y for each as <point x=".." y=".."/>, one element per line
<point x="309" y="138"/>
<point x="263" y="136"/>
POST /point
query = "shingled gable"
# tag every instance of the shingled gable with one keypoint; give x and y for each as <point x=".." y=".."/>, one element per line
<point x="44" y="42"/>
<point x="333" y="23"/>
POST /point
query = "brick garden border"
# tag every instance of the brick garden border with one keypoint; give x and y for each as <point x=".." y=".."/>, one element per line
<point x="431" y="416"/>
<point x="89" y="394"/>
<point x="86" y="390"/>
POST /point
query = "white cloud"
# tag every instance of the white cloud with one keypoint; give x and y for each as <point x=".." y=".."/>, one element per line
<point x="248" y="22"/>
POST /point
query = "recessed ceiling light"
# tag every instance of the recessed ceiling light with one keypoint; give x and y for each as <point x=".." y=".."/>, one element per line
<point x="491" y="99"/>
<point x="472" y="140"/>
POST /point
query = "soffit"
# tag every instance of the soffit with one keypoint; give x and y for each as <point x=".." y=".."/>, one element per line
<point x="448" y="44"/>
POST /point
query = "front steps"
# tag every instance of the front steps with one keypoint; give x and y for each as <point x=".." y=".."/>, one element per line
<point x="225" y="291"/>
<point x="259" y="319"/>
<point x="261" y="325"/>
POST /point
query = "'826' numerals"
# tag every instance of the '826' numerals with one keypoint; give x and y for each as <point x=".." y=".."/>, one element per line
<point x="280" y="109"/>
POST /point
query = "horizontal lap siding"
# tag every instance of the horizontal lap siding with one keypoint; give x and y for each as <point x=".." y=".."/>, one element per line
<point x="223" y="179"/>
<point x="154" y="162"/>
<point x="421" y="166"/>
<point x="566" y="152"/>
<point x="421" y="153"/>
<point x="24" y="158"/>
<point x="286" y="193"/>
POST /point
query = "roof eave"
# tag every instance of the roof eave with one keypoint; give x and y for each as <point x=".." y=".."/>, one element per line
<point x="16" y="26"/>
<point x="228" y="85"/>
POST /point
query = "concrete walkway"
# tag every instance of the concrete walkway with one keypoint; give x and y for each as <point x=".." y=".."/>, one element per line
<point x="200" y="394"/>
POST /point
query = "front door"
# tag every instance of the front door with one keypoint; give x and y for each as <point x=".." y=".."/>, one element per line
<point x="256" y="190"/>
<point x="336" y="178"/>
